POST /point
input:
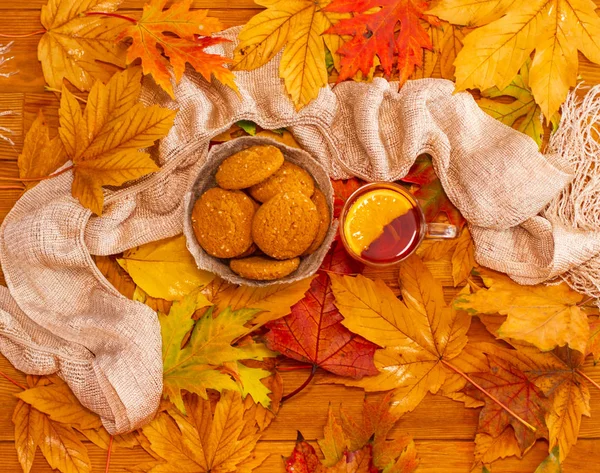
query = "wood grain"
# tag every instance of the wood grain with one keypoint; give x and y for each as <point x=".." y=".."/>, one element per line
<point x="443" y="429"/>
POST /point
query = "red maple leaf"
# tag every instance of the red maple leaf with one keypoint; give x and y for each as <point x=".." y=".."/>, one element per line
<point x="313" y="331"/>
<point x="431" y="194"/>
<point x="388" y="29"/>
<point x="342" y="189"/>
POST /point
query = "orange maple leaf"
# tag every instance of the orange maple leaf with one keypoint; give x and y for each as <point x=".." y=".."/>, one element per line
<point x="192" y="30"/>
<point x="375" y="33"/>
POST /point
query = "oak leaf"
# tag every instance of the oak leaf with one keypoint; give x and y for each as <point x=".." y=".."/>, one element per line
<point x="522" y="113"/>
<point x="419" y="335"/>
<point x="514" y="389"/>
<point x="297" y="27"/>
<point x="103" y="141"/>
<point x="431" y="194"/>
<point x="551" y="29"/>
<point x="181" y="45"/>
<point x="41" y="155"/>
<point x="314" y="333"/>
<point x="545" y="316"/>
<point x="195" y="352"/>
<point x="75" y="43"/>
<point x="390" y="30"/>
<point x="207" y="440"/>
<point x="164" y="269"/>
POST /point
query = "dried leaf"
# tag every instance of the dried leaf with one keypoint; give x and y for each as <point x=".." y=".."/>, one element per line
<point x="512" y="387"/>
<point x="551" y="463"/>
<point x="463" y="258"/>
<point x="28" y="430"/>
<point x="176" y="31"/>
<point x="297" y="27"/>
<point x="593" y="346"/>
<point x="431" y="194"/>
<point x="61" y="405"/>
<point x="205" y="441"/>
<point x="314" y="333"/>
<point x="334" y="444"/>
<point x="103" y="142"/>
<point x="545" y="316"/>
<point x="196" y="366"/>
<point x="419" y="336"/>
<point x="390" y="30"/>
<point x="165" y="269"/>
<point x="342" y="190"/>
<point x="489" y="449"/>
<point x="451" y="43"/>
<point x="61" y="447"/>
<point x="493" y="54"/>
<point x="41" y="155"/>
<point x="75" y="43"/>
<point x="271" y="302"/>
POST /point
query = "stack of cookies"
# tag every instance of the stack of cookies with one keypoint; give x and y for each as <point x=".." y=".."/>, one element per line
<point x="265" y="214"/>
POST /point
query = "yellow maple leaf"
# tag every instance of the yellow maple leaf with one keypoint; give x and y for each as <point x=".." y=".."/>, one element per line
<point x="419" y="335"/>
<point x="74" y="44"/>
<point x="40" y="155"/>
<point x="28" y="430"/>
<point x="164" y="269"/>
<point x="545" y="316"/>
<point x="183" y="48"/>
<point x="297" y="25"/>
<point x="489" y="449"/>
<point x="104" y="141"/>
<point x="493" y="54"/>
<point x="205" y="441"/>
<point x="62" y="448"/>
<point x="463" y="258"/>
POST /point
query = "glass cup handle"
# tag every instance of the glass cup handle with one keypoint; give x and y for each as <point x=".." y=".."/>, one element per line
<point x="441" y="231"/>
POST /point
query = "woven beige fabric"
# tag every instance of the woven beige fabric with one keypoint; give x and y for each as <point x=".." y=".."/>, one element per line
<point x="62" y="316"/>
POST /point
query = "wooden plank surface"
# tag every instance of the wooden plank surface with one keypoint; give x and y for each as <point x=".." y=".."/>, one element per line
<point x="443" y="429"/>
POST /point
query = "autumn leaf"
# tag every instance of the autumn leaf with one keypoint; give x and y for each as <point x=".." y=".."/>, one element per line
<point x="463" y="258"/>
<point x="274" y="383"/>
<point x="553" y="30"/>
<point x="593" y="346"/>
<point x="558" y="375"/>
<point x="314" y="333"/>
<point x="449" y="43"/>
<point x="357" y="446"/>
<point x="551" y="463"/>
<point x="512" y="387"/>
<point x="164" y="269"/>
<point x="28" y="432"/>
<point x="297" y="27"/>
<point x="488" y="449"/>
<point x="419" y="335"/>
<point x="76" y="43"/>
<point x="62" y="448"/>
<point x="176" y="31"/>
<point x="41" y="155"/>
<point x="342" y="190"/>
<point x="390" y="30"/>
<point x="522" y="113"/>
<point x="103" y="141"/>
<point x="270" y="302"/>
<point x="207" y="440"/>
<point x="545" y="316"/>
<point x="198" y="365"/>
<point x="430" y="193"/>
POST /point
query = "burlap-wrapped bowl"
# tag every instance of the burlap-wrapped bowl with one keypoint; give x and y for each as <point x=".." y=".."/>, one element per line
<point x="206" y="180"/>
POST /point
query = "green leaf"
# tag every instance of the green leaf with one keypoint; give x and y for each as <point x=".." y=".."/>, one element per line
<point x="248" y="126"/>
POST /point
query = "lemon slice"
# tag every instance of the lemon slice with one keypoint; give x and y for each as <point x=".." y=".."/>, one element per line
<point x="369" y="215"/>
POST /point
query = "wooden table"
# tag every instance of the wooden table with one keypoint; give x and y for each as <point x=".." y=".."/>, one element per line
<point x="443" y="429"/>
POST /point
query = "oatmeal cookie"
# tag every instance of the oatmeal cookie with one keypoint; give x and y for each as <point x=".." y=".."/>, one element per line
<point x="249" y="167"/>
<point x="320" y="202"/>
<point x="288" y="178"/>
<point x="286" y="225"/>
<point x="222" y="222"/>
<point x="264" y="269"/>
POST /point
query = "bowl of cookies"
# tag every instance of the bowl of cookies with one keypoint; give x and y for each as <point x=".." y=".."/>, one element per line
<point x="259" y="213"/>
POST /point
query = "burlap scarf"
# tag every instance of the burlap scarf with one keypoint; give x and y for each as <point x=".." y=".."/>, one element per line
<point x="61" y="316"/>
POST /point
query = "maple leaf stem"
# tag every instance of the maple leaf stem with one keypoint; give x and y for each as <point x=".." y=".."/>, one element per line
<point x="302" y="386"/>
<point x="37" y="179"/>
<point x="12" y="188"/>
<point x="51" y="89"/>
<point x="592" y="382"/>
<point x="585" y="301"/>
<point x="110" y="442"/>
<point x="491" y="396"/>
<point x="22" y="35"/>
<point x="13" y="381"/>
<point x="114" y="15"/>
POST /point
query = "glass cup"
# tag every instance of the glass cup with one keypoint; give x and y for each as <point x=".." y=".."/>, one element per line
<point x="382" y="224"/>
